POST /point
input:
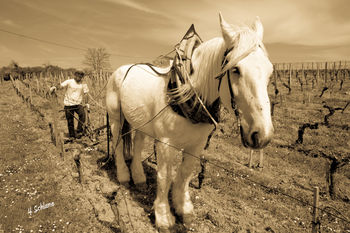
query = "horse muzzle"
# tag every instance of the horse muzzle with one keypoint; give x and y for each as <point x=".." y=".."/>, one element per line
<point x="256" y="138"/>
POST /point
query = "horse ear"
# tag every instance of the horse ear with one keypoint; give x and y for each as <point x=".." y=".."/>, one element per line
<point x="227" y="31"/>
<point x="258" y="27"/>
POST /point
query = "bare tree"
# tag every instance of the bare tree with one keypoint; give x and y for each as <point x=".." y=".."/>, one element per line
<point x="13" y="66"/>
<point x="97" y="60"/>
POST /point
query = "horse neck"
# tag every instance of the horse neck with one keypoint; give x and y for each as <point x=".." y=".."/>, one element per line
<point x="207" y="61"/>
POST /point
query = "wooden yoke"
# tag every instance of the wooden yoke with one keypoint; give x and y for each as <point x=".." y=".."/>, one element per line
<point x="185" y="48"/>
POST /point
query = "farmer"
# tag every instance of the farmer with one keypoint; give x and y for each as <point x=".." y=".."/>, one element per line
<point x="75" y="99"/>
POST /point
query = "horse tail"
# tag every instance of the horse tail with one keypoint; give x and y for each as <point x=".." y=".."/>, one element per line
<point x="127" y="139"/>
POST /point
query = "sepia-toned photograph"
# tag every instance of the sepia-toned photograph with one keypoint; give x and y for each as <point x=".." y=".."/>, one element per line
<point x="181" y="116"/>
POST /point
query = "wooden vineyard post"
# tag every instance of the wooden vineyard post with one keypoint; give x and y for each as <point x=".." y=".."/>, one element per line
<point x="61" y="145"/>
<point x="37" y="85"/>
<point x="30" y="96"/>
<point x="338" y="72"/>
<point x="315" y="222"/>
<point x="325" y="73"/>
<point x="54" y="115"/>
<point x="18" y="86"/>
<point x="289" y="78"/>
<point x="275" y="80"/>
<point x="305" y="81"/>
<point x="313" y="81"/>
<point x="333" y="73"/>
<point x="108" y="134"/>
<point x="87" y="120"/>
<point x="317" y="73"/>
<point x="55" y="129"/>
<point x="60" y="77"/>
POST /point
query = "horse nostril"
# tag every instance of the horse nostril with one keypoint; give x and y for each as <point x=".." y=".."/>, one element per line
<point x="255" y="139"/>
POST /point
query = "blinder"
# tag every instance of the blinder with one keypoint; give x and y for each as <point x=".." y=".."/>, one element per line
<point x="232" y="96"/>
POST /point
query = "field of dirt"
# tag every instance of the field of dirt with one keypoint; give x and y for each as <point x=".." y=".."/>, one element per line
<point x="42" y="191"/>
<point x="38" y="192"/>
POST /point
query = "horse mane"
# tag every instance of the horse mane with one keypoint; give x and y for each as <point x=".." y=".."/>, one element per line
<point x="246" y="38"/>
<point x="204" y="63"/>
<point x="208" y="62"/>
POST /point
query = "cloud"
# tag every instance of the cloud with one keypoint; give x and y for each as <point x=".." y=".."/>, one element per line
<point x="137" y="6"/>
<point x="8" y="54"/>
<point x="150" y="28"/>
<point x="305" y="22"/>
<point x="281" y="52"/>
<point x="5" y="51"/>
<point x="10" y="23"/>
<point x="310" y="22"/>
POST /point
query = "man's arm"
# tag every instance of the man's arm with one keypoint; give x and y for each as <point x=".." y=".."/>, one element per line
<point x="86" y="98"/>
<point x="58" y="86"/>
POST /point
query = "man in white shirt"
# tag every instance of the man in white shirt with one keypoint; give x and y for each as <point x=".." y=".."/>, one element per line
<point x="74" y="101"/>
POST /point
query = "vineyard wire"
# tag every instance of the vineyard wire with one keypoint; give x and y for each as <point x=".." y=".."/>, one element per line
<point x="250" y="180"/>
<point x="62" y="45"/>
<point x="227" y="170"/>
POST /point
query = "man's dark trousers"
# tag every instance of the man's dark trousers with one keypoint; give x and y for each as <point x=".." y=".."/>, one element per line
<point x="70" y="110"/>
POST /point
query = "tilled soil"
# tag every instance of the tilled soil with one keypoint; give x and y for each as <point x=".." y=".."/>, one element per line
<point x="41" y="191"/>
<point x="37" y="190"/>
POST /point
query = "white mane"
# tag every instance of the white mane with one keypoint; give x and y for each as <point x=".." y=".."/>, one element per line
<point x="206" y="61"/>
<point x="246" y="38"/>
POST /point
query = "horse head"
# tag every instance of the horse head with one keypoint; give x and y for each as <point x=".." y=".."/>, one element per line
<point x="247" y="68"/>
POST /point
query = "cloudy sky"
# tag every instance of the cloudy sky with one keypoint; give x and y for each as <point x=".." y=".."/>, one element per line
<point x="58" y="32"/>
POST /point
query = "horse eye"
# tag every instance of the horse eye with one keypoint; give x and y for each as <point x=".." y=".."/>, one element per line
<point x="236" y="70"/>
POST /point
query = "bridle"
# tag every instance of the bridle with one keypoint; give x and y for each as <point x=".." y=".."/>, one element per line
<point x="227" y="72"/>
<point x="232" y="96"/>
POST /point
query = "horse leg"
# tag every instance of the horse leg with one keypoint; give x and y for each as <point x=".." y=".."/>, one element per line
<point x="261" y="162"/>
<point x="180" y="192"/>
<point x="137" y="172"/>
<point x="165" y="163"/>
<point x="250" y="164"/>
<point x="123" y="174"/>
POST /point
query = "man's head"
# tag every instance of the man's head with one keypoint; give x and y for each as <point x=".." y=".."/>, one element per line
<point x="78" y="76"/>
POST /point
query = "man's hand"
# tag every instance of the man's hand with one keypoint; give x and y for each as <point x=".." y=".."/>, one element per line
<point x="87" y="106"/>
<point x="52" y="89"/>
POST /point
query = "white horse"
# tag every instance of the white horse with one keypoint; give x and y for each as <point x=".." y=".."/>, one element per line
<point x="234" y="68"/>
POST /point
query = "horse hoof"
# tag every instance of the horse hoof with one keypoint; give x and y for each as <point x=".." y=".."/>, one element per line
<point x="125" y="184"/>
<point x="142" y="187"/>
<point x="167" y="230"/>
<point x="164" y="230"/>
<point x="187" y="220"/>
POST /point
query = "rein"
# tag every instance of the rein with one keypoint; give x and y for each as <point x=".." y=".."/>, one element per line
<point x="147" y="64"/>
